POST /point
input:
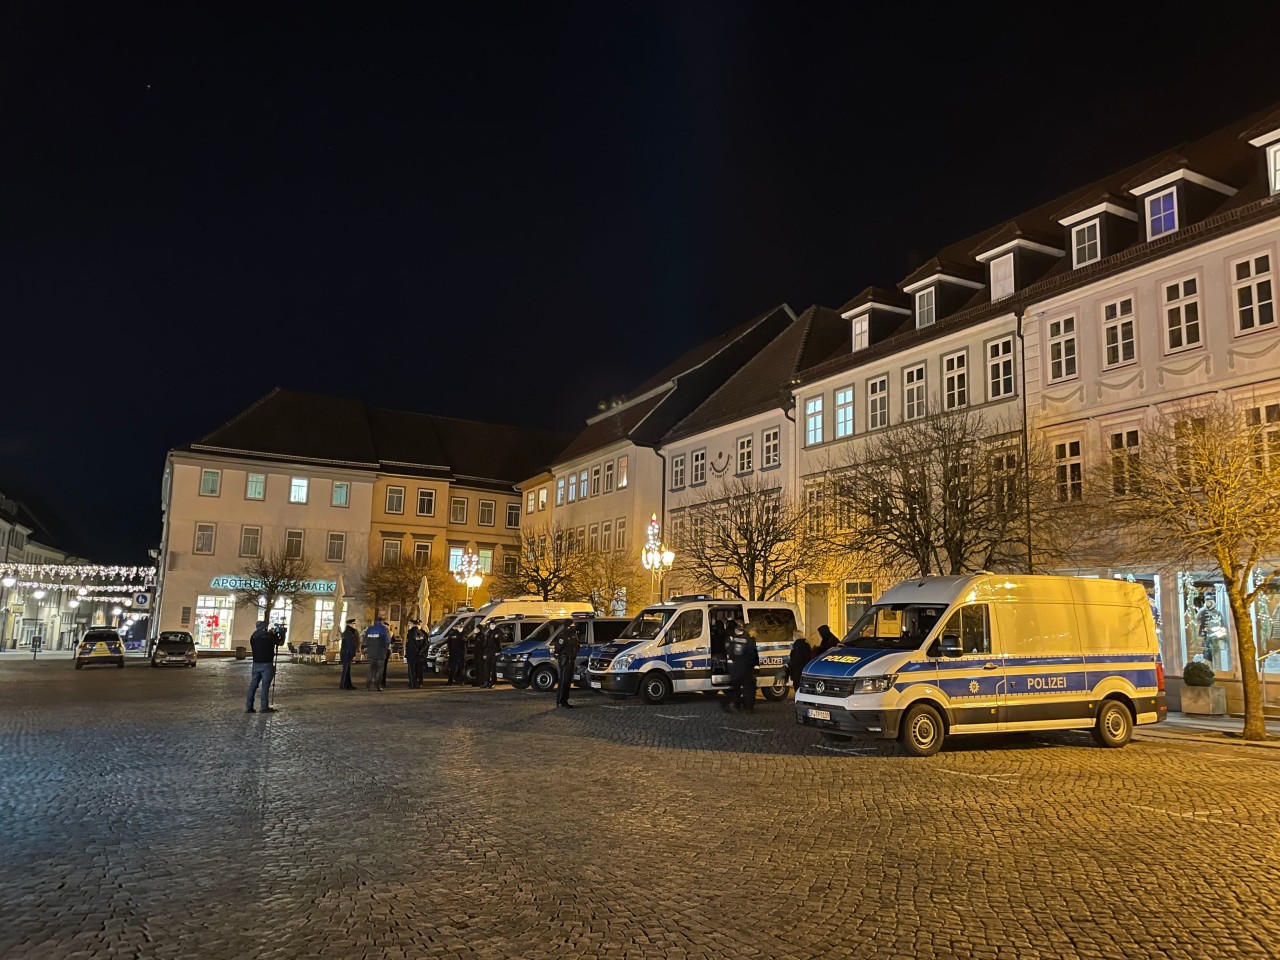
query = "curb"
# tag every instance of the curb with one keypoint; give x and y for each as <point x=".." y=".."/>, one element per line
<point x="1195" y="738"/>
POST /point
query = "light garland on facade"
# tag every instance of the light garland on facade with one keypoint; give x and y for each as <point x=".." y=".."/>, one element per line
<point x="78" y="571"/>
<point x="89" y="587"/>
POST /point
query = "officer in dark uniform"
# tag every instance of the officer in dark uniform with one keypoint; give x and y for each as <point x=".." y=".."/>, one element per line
<point x="567" y="646"/>
<point x="457" y="646"/>
<point x="347" y="653"/>
<point x="492" y="643"/>
<point x="744" y="657"/>
<point x="475" y="646"/>
<point x="414" y="643"/>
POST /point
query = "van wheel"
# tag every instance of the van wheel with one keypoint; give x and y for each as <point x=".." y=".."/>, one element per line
<point x="655" y="687"/>
<point x="921" y="732"/>
<point x="543" y="679"/>
<point x="776" y="692"/>
<point x="1114" y="726"/>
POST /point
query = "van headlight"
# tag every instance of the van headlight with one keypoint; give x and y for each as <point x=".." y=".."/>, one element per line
<point x="623" y="662"/>
<point x="874" y="684"/>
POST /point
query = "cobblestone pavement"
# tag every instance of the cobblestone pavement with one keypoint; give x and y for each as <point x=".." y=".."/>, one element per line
<point x="145" y="814"/>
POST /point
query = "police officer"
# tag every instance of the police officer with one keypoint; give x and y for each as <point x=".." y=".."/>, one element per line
<point x="475" y="643"/>
<point x="377" y="641"/>
<point x="567" y="645"/>
<point x="744" y="657"/>
<point x="347" y="653"/>
<point x="457" y="646"/>
<point x="415" y="642"/>
<point x="491" y="644"/>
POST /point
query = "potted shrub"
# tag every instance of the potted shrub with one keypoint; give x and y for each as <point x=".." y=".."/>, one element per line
<point x="1201" y="695"/>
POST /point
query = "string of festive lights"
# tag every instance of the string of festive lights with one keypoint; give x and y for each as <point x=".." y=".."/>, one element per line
<point x="78" y="571"/>
<point x="78" y="587"/>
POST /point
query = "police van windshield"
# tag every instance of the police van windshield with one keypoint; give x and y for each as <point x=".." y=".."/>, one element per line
<point x="897" y="626"/>
<point x="546" y="632"/>
<point x="647" y="624"/>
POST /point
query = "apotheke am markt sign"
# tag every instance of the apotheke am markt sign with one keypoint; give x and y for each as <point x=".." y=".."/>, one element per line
<point x="247" y="583"/>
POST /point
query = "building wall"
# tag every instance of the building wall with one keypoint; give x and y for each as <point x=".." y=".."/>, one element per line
<point x="634" y="502"/>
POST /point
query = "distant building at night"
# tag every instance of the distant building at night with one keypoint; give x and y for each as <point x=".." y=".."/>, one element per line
<point x="26" y="539"/>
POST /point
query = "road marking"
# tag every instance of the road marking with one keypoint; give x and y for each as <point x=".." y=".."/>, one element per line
<point x="610" y="706"/>
<point x="997" y="777"/>
<point x="823" y="746"/>
<point x="677" y="716"/>
<point x="740" y="730"/>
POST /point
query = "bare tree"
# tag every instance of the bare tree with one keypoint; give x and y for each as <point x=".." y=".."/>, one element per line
<point x="611" y="579"/>
<point x="392" y="582"/>
<point x="1201" y="485"/>
<point x="744" y="538"/>
<point x="547" y="563"/>
<point x="274" y="574"/>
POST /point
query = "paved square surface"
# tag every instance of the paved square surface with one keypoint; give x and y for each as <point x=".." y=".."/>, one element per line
<point x="144" y="814"/>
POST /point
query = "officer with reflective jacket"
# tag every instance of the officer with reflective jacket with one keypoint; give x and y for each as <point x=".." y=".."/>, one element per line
<point x="744" y="657"/>
<point x="566" y="650"/>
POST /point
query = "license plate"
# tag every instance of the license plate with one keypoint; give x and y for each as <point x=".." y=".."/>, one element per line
<point x="818" y="714"/>
<point x="595" y="684"/>
<point x="500" y="675"/>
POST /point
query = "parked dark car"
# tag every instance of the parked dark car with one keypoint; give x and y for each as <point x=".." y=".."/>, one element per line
<point x="174" y="648"/>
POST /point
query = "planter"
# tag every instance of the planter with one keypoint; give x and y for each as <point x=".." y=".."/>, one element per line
<point x="1205" y="701"/>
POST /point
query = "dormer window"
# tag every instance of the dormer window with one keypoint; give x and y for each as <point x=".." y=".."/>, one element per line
<point x="1084" y="244"/>
<point x="1002" y="277"/>
<point x="1162" y="214"/>
<point x="925" y="308"/>
<point x="1273" y="166"/>
<point x="861" y="332"/>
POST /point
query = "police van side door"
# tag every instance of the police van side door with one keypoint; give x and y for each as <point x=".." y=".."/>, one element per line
<point x="974" y="682"/>
<point x="685" y="648"/>
<point x="721" y="614"/>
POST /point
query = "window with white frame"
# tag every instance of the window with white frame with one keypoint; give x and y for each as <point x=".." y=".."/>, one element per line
<point x="1273" y="167"/>
<point x="485" y="555"/>
<point x="813" y="421"/>
<point x="1123" y="445"/>
<point x="608" y="476"/>
<point x="877" y="403"/>
<point x="510" y="564"/>
<point x="255" y="486"/>
<point x="913" y="392"/>
<point x="844" y="412"/>
<point x="513" y="515"/>
<point x="395" y="499"/>
<point x="623" y="465"/>
<point x="955" y="380"/>
<point x="293" y="542"/>
<point x="488" y="510"/>
<point x="595" y="480"/>
<point x="336" y="551"/>
<point x="1264" y="429"/>
<point x="620" y="534"/>
<point x="606" y="536"/>
<point x="770" y="447"/>
<point x="1062" y="348"/>
<point x="582" y="484"/>
<point x="531" y="501"/>
<point x="390" y="551"/>
<point x="322" y="624"/>
<point x="422" y="552"/>
<point x="1068" y="469"/>
<point x="573" y="487"/>
<point x="542" y="498"/>
<point x="455" y="558"/>
<point x="746" y="459"/>
<point x="1005" y="482"/>
<point x="1085" y="248"/>
<point x="1117" y="332"/>
<point x="210" y="482"/>
<point x="426" y="502"/>
<point x="677" y="471"/>
<point x="1000" y="368"/>
<point x="698" y="467"/>
<point x="593" y="537"/>
<point x="560" y="492"/>
<point x="458" y="510"/>
<point x="1002" y="277"/>
<point x="1182" y="314"/>
<point x="298" y="489"/>
<point x="250" y="541"/>
<point x="861" y="332"/>
<point x="1252" y="292"/>
<point x="204" y="538"/>
<point x="1162" y="214"/>
<point x="340" y="495"/>
<point x="925" y="311"/>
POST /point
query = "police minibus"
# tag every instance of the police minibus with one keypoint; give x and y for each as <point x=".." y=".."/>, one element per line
<point x="668" y="647"/>
<point x="986" y="653"/>
<point x="532" y="662"/>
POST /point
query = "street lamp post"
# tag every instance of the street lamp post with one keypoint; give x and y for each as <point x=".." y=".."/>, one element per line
<point x="655" y="556"/>
<point x="469" y="573"/>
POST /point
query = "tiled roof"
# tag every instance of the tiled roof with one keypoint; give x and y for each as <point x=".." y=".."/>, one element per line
<point x="1094" y="198"/>
<point x="950" y="267"/>
<point x="1267" y="124"/>
<point x="1011" y="230"/>
<point x="1165" y="163"/>
<point x="764" y="381"/>
<point x="609" y="429"/>
<point x="878" y="295"/>
<point x="308" y="426"/>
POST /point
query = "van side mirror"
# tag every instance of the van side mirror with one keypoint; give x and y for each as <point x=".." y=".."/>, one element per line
<point x="950" y="645"/>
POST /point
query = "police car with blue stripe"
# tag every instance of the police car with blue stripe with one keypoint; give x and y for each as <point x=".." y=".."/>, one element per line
<point x="987" y="653"/>
<point x="532" y="662"/>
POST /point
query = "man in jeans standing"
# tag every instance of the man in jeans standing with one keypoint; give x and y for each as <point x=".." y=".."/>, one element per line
<point x="263" y="643"/>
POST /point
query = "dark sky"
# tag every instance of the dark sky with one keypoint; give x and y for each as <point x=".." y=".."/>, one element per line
<point x="506" y="214"/>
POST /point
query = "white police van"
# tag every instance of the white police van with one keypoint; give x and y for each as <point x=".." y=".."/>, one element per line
<point x="667" y="648"/>
<point x="985" y="653"/>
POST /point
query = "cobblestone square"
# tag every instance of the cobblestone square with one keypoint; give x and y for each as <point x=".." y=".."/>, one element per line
<point x="145" y="814"/>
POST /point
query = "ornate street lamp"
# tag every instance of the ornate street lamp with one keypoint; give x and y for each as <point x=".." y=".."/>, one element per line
<point x="655" y="556"/>
<point x="468" y="572"/>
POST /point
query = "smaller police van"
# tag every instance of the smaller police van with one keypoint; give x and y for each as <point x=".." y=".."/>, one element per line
<point x="987" y="653"/>
<point x="533" y="661"/>
<point x="671" y="648"/>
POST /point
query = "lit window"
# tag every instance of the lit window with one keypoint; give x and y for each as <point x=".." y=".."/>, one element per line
<point x="1084" y="244"/>
<point x="844" y="412"/>
<point x="1253" y="294"/>
<point x="455" y="558"/>
<point x="1162" y="214"/>
<point x="293" y="544"/>
<point x="771" y="454"/>
<point x="1124" y="463"/>
<point x="560" y="492"/>
<point x="699" y="467"/>
<point x="608" y="476"/>
<point x="204" y="538"/>
<point x="422" y="552"/>
<point x="620" y="532"/>
<point x="458" y="509"/>
<point x="745" y="455"/>
<point x="861" y="333"/>
<point x="623" y="463"/>
<point x="210" y="482"/>
<point x="488" y="509"/>
<point x="813" y="421"/>
<point x="542" y="498"/>
<point x="677" y="472"/>
<point x="1000" y="368"/>
<point x="298" y="490"/>
<point x="1062" y="348"/>
<point x="250" y="541"/>
<point x="1182" y="314"/>
<point x="255" y="486"/>
<point x="531" y="502"/>
<point x="595" y="480"/>
<point x="395" y="499"/>
<point x="1117" y="332"/>
<point x="877" y="403"/>
<point x="426" y="503"/>
<point x="573" y="487"/>
<point x="513" y="515"/>
<point x="955" y="385"/>
<point x="337" y="549"/>
<point x="1068" y="471"/>
<point x="341" y="494"/>
<point x="913" y="392"/>
<point x="486" y="559"/>
<point x="1002" y="277"/>
<point x="582" y="484"/>
<point x="925" y="308"/>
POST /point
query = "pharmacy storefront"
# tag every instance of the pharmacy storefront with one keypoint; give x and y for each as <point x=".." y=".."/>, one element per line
<point x="218" y="624"/>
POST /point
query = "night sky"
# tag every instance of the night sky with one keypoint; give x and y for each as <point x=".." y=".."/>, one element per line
<point x="506" y="215"/>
